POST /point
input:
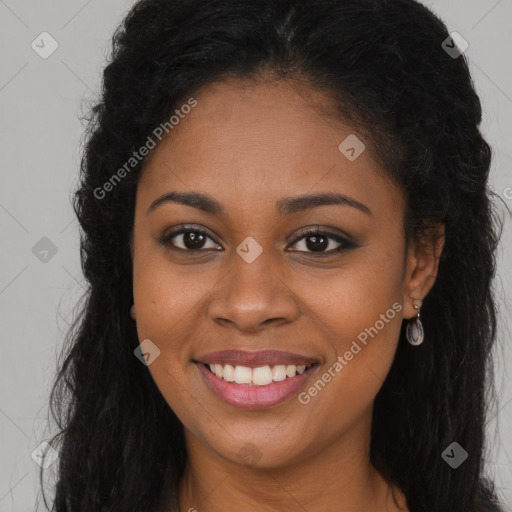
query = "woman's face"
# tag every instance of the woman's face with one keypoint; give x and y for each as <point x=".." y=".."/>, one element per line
<point x="256" y="286"/>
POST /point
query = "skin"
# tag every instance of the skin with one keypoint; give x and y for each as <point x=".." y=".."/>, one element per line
<point x="247" y="145"/>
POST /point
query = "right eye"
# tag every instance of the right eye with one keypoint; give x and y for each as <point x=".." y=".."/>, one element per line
<point x="190" y="239"/>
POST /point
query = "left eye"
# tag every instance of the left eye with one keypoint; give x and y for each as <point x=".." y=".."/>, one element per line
<point x="317" y="241"/>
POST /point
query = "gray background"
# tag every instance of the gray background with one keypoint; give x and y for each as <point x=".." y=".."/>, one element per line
<point x="41" y="101"/>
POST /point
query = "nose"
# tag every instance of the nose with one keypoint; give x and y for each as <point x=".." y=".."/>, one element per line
<point x="251" y="296"/>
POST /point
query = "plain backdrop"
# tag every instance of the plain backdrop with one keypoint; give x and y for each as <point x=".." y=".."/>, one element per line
<point x="41" y="101"/>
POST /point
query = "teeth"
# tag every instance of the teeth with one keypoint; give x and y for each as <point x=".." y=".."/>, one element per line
<point x="260" y="376"/>
<point x="219" y="371"/>
<point x="279" y="373"/>
<point x="290" y="370"/>
<point x="243" y="375"/>
<point x="229" y="373"/>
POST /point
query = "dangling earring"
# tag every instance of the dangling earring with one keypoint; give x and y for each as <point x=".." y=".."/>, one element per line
<point x="132" y="312"/>
<point x="415" y="333"/>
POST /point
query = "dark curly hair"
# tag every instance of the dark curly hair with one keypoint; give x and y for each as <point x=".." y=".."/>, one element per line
<point x="121" y="446"/>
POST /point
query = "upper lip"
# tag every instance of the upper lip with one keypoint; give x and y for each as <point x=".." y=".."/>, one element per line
<point x="255" y="359"/>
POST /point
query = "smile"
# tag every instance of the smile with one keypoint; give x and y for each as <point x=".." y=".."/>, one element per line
<point x="255" y="380"/>
<point x="260" y="376"/>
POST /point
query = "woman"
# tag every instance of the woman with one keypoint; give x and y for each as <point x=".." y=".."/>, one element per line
<point x="290" y="245"/>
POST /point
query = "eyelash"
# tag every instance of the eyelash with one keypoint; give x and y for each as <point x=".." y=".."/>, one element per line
<point x="345" y="242"/>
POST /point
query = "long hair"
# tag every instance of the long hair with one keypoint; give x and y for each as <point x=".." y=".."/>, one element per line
<point x="385" y="66"/>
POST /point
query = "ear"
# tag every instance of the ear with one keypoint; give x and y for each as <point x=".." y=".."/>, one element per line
<point x="422" y="265"/>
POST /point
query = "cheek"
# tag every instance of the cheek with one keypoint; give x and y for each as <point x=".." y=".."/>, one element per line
<point x="362" y="307"/>
<point x="364" y="340"/>
<point x="166" y="314"/>
<point x="169" y="301"/>
<point x="167" y="297"/>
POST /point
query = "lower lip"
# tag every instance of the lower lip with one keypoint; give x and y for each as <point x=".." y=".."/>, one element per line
<point x="255" y="397"/>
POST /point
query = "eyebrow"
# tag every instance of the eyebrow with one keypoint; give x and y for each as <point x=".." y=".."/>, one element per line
<point x="285" y="206"/>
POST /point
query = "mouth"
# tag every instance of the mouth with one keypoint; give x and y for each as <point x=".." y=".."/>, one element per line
<point x="255" y="380"/>
<point x="258" y="376"/>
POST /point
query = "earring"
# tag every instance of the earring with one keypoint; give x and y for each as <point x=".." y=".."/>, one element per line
<point x="415" y="332"/>
<point x="132" y="312"/>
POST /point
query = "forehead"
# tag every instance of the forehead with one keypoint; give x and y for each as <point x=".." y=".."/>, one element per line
<point x="260" y="141"/>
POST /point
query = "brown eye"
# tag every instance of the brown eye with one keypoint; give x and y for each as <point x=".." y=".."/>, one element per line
<point x="317" y="241"/>
<point x="189" y="239"/>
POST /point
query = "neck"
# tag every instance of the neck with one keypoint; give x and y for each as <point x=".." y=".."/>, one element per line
<point x="340" y="477"/>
